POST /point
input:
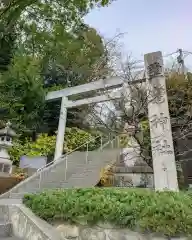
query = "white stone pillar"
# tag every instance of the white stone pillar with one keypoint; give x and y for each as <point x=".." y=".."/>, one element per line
<point x="61" y="130"/>
<point x="164" y="166"/>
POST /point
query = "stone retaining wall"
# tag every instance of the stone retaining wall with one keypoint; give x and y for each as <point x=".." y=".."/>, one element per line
<point x="25" y="225"/>
<point x="104" y="232"/>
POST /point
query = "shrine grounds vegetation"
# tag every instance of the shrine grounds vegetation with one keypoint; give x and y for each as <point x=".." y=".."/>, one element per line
<point x="45" y="145"/>
<point x="168" y="213"/>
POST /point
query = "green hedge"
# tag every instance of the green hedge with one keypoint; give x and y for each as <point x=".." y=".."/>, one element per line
<point x="45" y="145"/>
<point x="167" y="213"/>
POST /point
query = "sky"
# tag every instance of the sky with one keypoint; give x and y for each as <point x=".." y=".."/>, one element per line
<point x="148" y="25"/>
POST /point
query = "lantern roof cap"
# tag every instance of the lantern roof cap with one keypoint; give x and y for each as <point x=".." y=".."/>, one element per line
<point x="7" y="131"/>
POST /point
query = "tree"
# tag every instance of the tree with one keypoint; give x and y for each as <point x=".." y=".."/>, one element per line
<point x="69" y="55"/>
<point x="22" y="93"/>
<point x="73" y="64"/>
<point x="57" y="10"/>
<point x="129" y="115"/>
<point x="180" y="107"/>
<point x="70" y="60"/>
<point x="7" y="43"/>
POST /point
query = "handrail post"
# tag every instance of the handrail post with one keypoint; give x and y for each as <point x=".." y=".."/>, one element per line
<point x="112" y="143"/>
<point x="66" y="168"/>
<point x="87" y="152"/>
<point x="117" y="142"/>
<point x="101" y="147"/>
<point x="40" y="180"/>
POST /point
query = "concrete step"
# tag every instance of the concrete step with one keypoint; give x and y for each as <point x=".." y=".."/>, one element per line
<point x="9" y="201"/>
<point x="18" y="195"/>
<point x="9" y="238"/>
<point x="30" y="190"/>
<point x="69" y="171"/>
<point x="34" y="183"/>
<point x="82" y="170"/>
<point x="90" y="175"/>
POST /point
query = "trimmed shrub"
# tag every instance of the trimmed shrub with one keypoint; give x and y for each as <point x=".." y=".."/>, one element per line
<point x="167" y="213"/>
<point x="45" y="145"/>
<point x="107" y="176"/>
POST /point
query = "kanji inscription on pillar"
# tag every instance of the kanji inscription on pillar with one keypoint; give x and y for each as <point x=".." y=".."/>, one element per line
<point x="157" y="93"/>
<point x="165" y="174"/>
<point x="161" y="147"/>
<point x="155" y="69"/>
<point x="158" y="120"/>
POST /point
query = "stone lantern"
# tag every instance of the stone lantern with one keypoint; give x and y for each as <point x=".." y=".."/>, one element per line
<point x="6" y="136"/>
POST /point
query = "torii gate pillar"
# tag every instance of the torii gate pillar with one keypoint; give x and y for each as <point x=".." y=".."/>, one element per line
<point x="61" y="129"/>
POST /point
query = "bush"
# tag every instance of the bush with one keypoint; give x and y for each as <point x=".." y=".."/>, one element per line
<point x="75" y="137"/>
<point x="167" y="213"/>
<point x="19" y="173"/>
<point x="179" y="95"/>
<point x="107" y="176"/>
<point x="45" y="145"/>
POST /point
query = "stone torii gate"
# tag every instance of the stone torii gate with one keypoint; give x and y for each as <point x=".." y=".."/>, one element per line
<point x="165" y="175"/>
<point x="65" y="103"/>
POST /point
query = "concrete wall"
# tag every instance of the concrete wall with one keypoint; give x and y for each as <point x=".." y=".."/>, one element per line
<point x="104" y="232"/>
<point x="136" y="179"/>
<point x="29" y="227"/>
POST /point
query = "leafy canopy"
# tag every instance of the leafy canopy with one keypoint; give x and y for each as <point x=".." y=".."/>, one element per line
<point x="22" y="93"/>
<point x="53" y="34"/>
<point x="179" y="91"/>
<point x="76" y="9"/>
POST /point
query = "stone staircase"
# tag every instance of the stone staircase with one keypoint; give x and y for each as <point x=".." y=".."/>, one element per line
<point x="76" y="169"/>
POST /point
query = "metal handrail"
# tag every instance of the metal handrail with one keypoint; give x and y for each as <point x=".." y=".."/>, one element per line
<point x="6" y="194"/>
<point x="65" y="155"/>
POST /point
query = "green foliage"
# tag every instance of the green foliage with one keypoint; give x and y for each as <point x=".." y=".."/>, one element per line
<point x="7" y="43"/>
<point x="22" y="93"/>
<point x="179" y="91"/>
<point x="168" y="213"/>
<point x="67" y="50"/>
<point x="57" y="9"/>
<point x="76" y="137"/>
<point x="68" y="61"/>
<point x="45" y="145"/>
<point x="55" y="31"/>
<point x="124" y="140"/>
<point x="71" y="46"/>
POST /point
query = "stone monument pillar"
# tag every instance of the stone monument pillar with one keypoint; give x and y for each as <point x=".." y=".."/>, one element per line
<point x="164" y="166"/>
<point x="6" y="135"/>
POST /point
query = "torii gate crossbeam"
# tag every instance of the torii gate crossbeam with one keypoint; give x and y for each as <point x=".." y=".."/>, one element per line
<point x="105" y="84"/>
